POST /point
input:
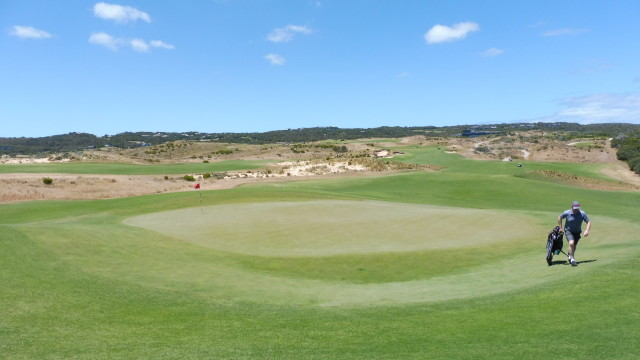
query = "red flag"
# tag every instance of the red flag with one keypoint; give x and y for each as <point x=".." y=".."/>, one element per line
<point x="196" y="186"/>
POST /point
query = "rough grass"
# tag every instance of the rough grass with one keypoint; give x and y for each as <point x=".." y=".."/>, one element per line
<point x="77" y="282"/>
<point x="579" y="181"/>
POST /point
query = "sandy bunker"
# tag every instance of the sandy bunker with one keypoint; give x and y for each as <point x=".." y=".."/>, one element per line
<point x="332" y="227"/>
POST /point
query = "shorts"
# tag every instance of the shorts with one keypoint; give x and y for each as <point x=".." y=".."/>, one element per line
<point x="570" y="235"/>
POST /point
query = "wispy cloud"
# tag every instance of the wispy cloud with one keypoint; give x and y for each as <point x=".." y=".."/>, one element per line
<point x="287" y="33"/>
<point x="162" y="45"/>
<point x="492" y="52"/>
<point x="119" y="13"/>
<point x="139" y="45"/>
<point x="28" y="32"/>
<point x="443" y="33"/>
<point x="599" y="108"/>
<point x="275" y="59"/>
<point x="106" y="40"/>
<point x="563" y="32"/>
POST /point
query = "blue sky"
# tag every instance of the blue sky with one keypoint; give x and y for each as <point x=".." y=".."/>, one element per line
<point x="260" y="65"/>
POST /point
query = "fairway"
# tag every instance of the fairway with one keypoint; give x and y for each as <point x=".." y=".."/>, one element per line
<point x="330" y="227"/>
<point x="421" y="264"/>
<point x="130" y="169"/>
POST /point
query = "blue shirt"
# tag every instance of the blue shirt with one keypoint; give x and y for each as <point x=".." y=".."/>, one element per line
<point x="574" y="221"/>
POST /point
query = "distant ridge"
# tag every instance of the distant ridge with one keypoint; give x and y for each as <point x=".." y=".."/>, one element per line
<point x="74" y="141"/>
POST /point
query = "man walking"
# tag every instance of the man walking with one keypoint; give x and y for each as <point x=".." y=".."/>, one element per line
<point x="573" y="227"/>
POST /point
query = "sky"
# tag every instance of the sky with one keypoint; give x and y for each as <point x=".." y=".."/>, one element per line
<point x="260" y="65"/>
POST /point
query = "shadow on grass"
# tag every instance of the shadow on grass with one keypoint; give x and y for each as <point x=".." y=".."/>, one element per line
<point x="586" y="261"/>
<point x="565" y="262"/>
<point x="559" y="262"/>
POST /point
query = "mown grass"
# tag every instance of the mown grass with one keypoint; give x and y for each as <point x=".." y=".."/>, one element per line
<point x="78" y="284"/>
<point x="383" y="267"/>
<point x="133" y="169"/>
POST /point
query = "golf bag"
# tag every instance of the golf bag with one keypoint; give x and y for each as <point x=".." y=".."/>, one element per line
<point x="554" y="243"/>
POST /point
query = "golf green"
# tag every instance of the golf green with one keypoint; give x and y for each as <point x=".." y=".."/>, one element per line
<point x="324" y="230"/>
<point x="330" y="227"/>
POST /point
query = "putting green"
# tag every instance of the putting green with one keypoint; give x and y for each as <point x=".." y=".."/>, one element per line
<point x="332" y="227"/>
<point x="220" y="252"/>
<point x="328" y="228"/>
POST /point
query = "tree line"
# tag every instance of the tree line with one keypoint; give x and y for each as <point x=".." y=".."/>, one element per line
<point x="629" y="150"/>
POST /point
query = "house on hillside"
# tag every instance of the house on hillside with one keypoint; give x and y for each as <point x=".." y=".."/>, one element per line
<point x="476" y="133"/>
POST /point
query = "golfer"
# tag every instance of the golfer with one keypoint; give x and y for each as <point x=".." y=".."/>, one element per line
<point x="573" y="227"/>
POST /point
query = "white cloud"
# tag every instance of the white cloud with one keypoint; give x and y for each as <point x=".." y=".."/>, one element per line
<point x="119" y="13"/>
<point x="442" y="33"/>
<point x="162" y="45"/>
<point x="139" y="45"/>
<point x="286" y="33"/>
<point x="28" y="32"/>
<point x="565" y="31"/>
<point x="492" y="52"/>
<point x="600" y="108"/>
<point x="275" y="59"/>
<point x="106" y="40"/>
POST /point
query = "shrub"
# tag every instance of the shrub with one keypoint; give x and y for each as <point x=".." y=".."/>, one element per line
<point x="47" y="181"/>
<point x="188" y="178"/>
<point x="634" y="163"/>
<point x="628" y="151"/>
